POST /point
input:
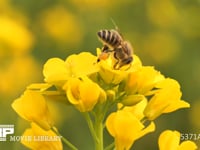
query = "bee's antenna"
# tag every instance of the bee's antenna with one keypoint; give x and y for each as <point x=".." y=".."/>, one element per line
<point x="116" y="27"/>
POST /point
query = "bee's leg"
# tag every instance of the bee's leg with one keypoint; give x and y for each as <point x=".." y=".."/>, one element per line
<point x="126" y="62"/>
<point x="106" y="49"/>
<point x="116" y="65"/>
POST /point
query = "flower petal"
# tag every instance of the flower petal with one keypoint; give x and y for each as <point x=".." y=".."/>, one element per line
<point x="138" y="109"/>
<point x="34" y="141"/>
<point x="172" y="139"/>
<point x="84" y="93"/>
<point x="55" y="71"/>
<point x="143" y="80"/>
<point x="32" y="107"/>
<point x="166" y="99"/>
<point x="169" y="138"/>
<point x="187" y="145"/>
<point x="126" y="128"/>
<point x="111" y="75"/>
<point x="176" y="105"/>
<point x="150" y="128"/>
<point x="81" y="64"/>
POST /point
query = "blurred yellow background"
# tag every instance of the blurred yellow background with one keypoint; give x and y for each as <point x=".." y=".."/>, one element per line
<point x="164" y="34"/>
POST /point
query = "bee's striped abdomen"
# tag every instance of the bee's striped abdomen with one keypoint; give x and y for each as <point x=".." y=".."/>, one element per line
<point x="110" y="37"/>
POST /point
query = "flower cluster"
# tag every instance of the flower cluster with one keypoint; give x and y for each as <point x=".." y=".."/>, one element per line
<point x="121" y="100"/>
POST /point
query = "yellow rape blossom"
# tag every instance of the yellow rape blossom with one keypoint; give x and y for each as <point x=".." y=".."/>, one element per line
<point x="32" y="107"/>
<point x="24" y="69"/>
<point x="114" y="76"/>
<point x="131" y="100"/>
<point x="143" y="80"/>
<point x="39" y="139"/>
<point x="137" y="109"/>
<point x="167" y="98"/>
<point x="126" y="128"/>
<point x="61" y="24"/>
<point x="111" y="76"/>
<point x="57" y="71"/>
<point x="170" y="140"/>
<point x="82" y="64"/>
<point x="15" y="39"/>
<point x="154" y="42"/>
<point x="137" y="93"/>
<point x="83" y="93"/>
<point x="167" y="16"/>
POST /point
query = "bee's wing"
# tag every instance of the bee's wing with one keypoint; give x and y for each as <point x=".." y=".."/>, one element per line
<point x="127" y="48"/>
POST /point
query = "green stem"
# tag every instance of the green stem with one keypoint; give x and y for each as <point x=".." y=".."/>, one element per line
<point x="99" y="125"/>
<point x="70" y="145"/>
<point x="91" y="127"/>
<point x="99" y="133"/>
<point x="111" y="146"/>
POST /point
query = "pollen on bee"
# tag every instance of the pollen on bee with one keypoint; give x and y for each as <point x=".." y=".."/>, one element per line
<point x="103" y="56"/>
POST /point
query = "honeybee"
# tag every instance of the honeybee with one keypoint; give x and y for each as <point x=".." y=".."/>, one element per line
<point x="113" y="42"/>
